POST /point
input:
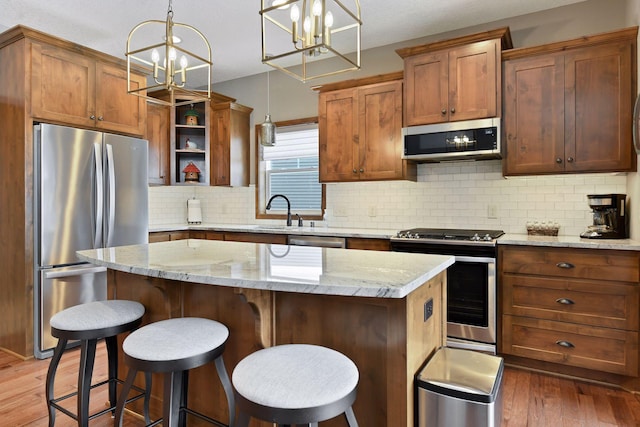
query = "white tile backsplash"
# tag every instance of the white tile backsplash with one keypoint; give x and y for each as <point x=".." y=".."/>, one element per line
<point x="455" y="194"/>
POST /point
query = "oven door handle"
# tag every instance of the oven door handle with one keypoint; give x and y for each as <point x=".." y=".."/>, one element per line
<point x="479" y="260"/>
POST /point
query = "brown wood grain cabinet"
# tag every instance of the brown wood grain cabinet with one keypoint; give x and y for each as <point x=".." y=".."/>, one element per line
<point x="458" y="79"/>
<point x="368" y="244"/>
<point x="157" y="133"/>
<point x="360" y="131"/>
<point x="230" y="149"/>
<point x="568" y="106"/>
<point x="165" y="236"/>
<point x="574" y="307"/>
<point x="77" y="89"/>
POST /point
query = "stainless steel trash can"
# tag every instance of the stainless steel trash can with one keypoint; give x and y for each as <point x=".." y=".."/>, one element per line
<point x="460" y="388"/>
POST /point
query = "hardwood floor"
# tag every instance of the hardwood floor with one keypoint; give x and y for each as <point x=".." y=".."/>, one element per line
<point x="530" y="399"/>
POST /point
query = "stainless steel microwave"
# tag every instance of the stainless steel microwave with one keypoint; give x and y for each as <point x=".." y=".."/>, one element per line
<point x="471" y="139"/>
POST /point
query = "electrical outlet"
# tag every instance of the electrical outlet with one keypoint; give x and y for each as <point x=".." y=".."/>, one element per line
<point x="428" y="309"/>
<point x="492" y="211"/>
<point x="373" y="211"/>
<point x="340" y="211"/>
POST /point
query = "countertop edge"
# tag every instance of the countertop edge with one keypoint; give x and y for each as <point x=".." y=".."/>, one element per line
<point x="569" y="242"/>
<point x="273" y="285"/>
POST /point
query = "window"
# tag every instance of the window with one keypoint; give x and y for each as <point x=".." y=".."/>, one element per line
<point x="290" y="168"/>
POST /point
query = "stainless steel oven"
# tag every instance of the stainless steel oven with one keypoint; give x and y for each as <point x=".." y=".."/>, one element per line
<point x="471" y="281"/>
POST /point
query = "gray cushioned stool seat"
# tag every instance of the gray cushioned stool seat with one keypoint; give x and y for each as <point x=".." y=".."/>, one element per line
<point x="173" y="347"/>
<point x="295" y="384"/>
<point x="89" y="323"/>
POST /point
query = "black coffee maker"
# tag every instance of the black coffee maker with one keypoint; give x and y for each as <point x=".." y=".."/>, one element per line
<point x="609" y="217"/>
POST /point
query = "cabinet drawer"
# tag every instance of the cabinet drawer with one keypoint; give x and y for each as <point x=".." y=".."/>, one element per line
<point x="601" y="349"/>
<point x="619" y="266"/>
<point x="596" y="303"/>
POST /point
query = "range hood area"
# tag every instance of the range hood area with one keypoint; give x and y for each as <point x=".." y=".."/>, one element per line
<point x="463" y="140"/>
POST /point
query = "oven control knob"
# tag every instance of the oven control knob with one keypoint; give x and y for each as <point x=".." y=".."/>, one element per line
<point x="416" y="236"/>
<point x="475" y="237"/>
<point x="487" y="237"/>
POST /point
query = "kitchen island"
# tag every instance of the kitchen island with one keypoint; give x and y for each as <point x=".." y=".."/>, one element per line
<point x="383" y="310"/>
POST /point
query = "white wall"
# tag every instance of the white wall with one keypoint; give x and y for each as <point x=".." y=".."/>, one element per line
<point x="456" y="194"/>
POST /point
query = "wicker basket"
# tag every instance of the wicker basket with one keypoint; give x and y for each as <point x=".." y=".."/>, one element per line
<point x="542" y="230"/>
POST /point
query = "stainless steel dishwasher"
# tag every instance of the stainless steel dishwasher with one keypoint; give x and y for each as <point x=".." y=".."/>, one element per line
<point x="317" y="241"/>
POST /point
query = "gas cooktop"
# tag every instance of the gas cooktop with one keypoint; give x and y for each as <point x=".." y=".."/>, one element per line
<point x="472" y="235"/>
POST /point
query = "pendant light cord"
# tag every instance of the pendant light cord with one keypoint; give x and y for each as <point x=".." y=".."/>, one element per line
<point x="268" y="92"/>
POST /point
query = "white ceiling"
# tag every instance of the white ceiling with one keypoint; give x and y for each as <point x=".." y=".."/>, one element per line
<point x="233" y="26"/>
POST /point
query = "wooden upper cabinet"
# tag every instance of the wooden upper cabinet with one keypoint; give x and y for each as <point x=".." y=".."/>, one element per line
<point x="63" y="86"/>
<point x="533" y="116"/>
<point x="157" y="133"/>
<point x="230" y="144"/>
<point x="116" y="110"/>
<point x="338" y="135"/>
<point x="360" y="131"/>
<point x="77" y="89"/>
<point x="458" y="79"/>
<point x="568" y="106"/>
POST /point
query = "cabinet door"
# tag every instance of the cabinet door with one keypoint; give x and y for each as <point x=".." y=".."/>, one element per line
<point x="158" y="136"/>
<point x="473" y="81"/>
<point x="230" y="145"/>
<point x="62" y="86"/>
<point x="599" y="103"/>
<point x="426" y="90"/>
<point x="116" y="110"/>
<point x="534" y="115"/>
<point x="338" y="135"/>
<point x="380" y="131"/>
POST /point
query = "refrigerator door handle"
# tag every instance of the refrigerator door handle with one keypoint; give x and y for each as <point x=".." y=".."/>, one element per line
<point x="97" y="150"/>
<point x="74" y="272"/>
<point x="112" y="194"/>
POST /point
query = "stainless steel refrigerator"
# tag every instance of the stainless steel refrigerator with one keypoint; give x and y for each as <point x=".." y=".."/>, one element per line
<point x="91" y="192"/>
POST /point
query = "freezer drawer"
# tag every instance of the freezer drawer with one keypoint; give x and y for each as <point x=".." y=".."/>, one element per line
<point x="60" y="288"/>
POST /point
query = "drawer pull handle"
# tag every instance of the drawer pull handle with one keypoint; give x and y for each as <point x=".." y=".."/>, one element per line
<point x="565" y="301"/>
<point x="564" y="265"/>
<point x="565" y="344"/>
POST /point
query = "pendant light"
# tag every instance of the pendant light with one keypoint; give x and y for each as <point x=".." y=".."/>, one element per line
<point x="172" y="63"/>
<point x="317" y="30"/>
<point x="268" y="129"/>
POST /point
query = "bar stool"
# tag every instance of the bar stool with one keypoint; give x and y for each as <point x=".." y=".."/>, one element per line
<point x="295" y="384"/>
<point x="89" y="323"/>
<point x="173" y="347"/>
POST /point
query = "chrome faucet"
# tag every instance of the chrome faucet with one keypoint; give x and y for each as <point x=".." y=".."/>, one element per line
<point x="288" y="207"/>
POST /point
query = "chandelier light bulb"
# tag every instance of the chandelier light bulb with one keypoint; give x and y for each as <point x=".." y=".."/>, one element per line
<point x="328" y="23"/>
<point x="172" y="54"/>
<point x="183" y="62"/>
<point x="328" y="19"/>
<point x="317" y="8"/>
<point x="295" y="13"/>
<point x="155" y="56"/>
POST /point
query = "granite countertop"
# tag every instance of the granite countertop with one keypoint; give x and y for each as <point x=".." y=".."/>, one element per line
<point x="569" y="242"/>
<point x="281" y="229"/>
<point x="276" y="267"/>
<point x="507" y="239"/>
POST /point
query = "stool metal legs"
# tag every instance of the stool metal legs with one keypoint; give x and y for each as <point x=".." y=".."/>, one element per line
<point x="51" y="373"/>
<point x="175" y="393"/>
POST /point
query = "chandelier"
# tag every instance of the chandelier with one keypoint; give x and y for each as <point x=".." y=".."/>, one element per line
<point x="298" y="34"/>
<point x="180" y="57"/>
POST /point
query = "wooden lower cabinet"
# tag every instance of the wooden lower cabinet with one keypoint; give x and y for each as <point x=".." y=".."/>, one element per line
<point x="568" y="306"/>
<point x="387" y="338"/>
<point x="165" y="236"/>
<point x="368" y="244"/>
